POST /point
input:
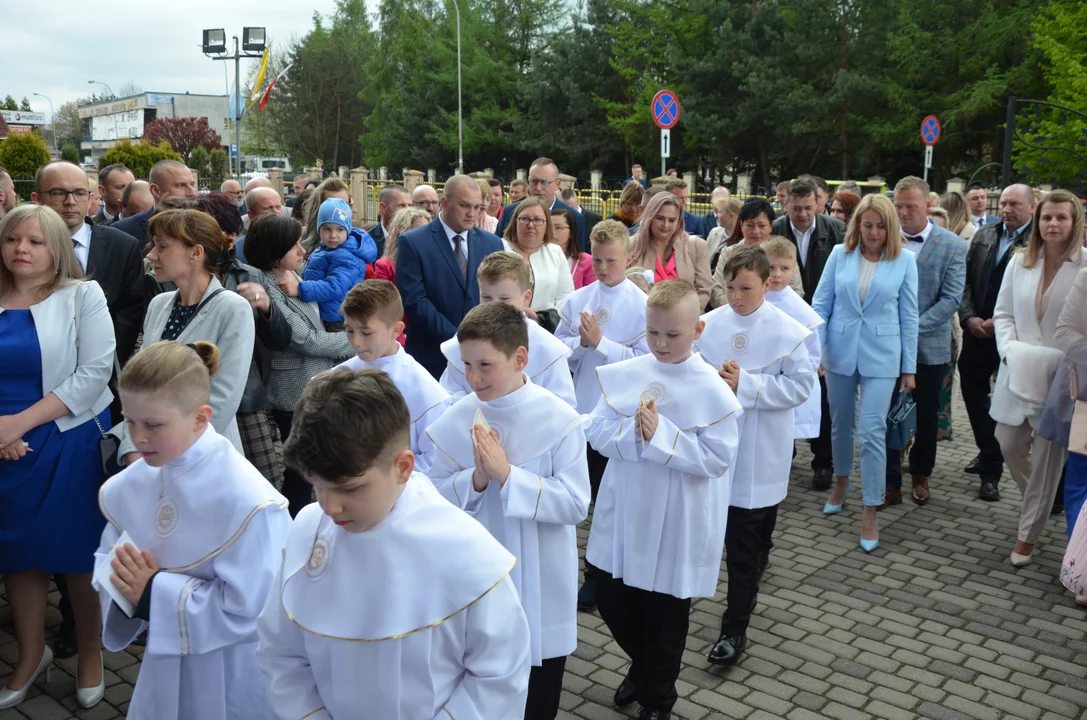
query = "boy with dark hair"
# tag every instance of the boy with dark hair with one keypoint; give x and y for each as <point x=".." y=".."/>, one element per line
<point x="390" y="603"/>
<point x="760" y="353"/>
<point x="373" y="319"/>
<point x="512" y="455"/>
<point x="505" y="277"/>
<point x="668" y="426"/>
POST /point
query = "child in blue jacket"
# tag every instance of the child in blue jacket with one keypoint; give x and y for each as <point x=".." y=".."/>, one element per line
<point x="338" y="264"/>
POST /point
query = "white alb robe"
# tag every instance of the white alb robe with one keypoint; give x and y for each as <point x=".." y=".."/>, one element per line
<point x="776" y="377"/>
<point x="414" y="619"/>
<point x="217" y="535"/>
<point x="427" y="400"/>
<point x="534" y="513"/>
<point x="546" y="367"/>
<point x="620" y="310"/>
<point x="807" y="417"/>
<point x="660" y="516"/>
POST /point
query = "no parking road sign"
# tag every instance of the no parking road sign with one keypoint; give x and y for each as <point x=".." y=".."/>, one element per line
<point x="930" y="130"/>
<point x="665" y="108"/>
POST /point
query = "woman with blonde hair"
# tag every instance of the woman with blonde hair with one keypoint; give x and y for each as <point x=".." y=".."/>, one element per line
<point x="727" y="231"/>
<point x="663" y="245"/>
<point x="330" y="188"/>
<point x="57" y="341"/>
<point x="867" y="297"/>
<point x="630" y="204"/>
<point x="1031" y="298"/>
<point x="483" y="220"/>
<point x="958" y="215"/>
<point x="405" y="219"/>
<point x="529" y="235"/>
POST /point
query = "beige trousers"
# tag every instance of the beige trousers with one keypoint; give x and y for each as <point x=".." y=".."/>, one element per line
<point x="1035" y="464"/>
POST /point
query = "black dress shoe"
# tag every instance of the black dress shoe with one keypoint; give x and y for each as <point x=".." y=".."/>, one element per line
<point x="822" y="479"/>
<point x="64" y="644"/>
<point x="647" y="714"/>
<point x="727" y="650"/>
<point x="586" y="596"/>
<point x="978" y="467"/>
<point x="626" y="694"/>
<point x="989" y="491"/>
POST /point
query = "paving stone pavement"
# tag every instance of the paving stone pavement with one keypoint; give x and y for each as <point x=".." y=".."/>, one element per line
<point x="934" y="624"/>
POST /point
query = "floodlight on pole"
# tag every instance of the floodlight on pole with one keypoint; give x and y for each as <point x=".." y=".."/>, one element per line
<point x="254" y="40"/>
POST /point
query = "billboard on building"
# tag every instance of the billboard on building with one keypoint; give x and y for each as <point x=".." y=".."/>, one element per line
<point x="23" y="117"/>
<point x="128" y="124"/>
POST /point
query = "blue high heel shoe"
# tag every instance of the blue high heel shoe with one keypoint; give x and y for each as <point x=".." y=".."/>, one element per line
<point x="870" y="545"/>
<point x="829" y="509"/>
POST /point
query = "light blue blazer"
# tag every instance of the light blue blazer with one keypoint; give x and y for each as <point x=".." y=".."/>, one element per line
<point x="877" y="338"/>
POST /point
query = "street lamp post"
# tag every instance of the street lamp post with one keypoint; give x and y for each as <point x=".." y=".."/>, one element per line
<point x="107" y="87"/>
<point x="253" y="42"/>
<point x="460" y="108"/>
<point x="52" y="120"/>
<point x="116" y="134"/>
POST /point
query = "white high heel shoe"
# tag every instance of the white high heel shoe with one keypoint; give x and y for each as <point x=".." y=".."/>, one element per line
<point x="11" y="698"/>
<point x="89" y="697"/>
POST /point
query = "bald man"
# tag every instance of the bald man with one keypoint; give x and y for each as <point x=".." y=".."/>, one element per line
<point x="436" y="270"/>
<point x="233" y="190"/>
<point x="260" y="200"/>
<point x="7" y="193"/>
<point x="168" y="179"/>
<point x="425" y="197"/>
<point x="986" y="261"/>
<point x="136" y="198"/>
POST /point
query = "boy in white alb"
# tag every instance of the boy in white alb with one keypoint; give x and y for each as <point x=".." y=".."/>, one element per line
<point x="668" y="425"/>
<point x="512" y="455"/>
<point x="782" y="255"/>
<point x="760" y="353"/>
<point x="602" y="323"/>
<point x="505" y="277"/>
<point x="373" y="319"/>
<point x="391" y="604"/>
<point x="206" y="532"/>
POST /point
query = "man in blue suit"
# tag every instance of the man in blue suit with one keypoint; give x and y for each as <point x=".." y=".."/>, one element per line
<point x="543" y="182"/>
<point x="168" y="178"/>
<point x="941" y="278"/>
<point x="978" y="199"/>
<point x="436" y="271"/>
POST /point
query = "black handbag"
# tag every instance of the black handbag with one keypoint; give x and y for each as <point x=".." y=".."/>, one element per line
<point x="108" y="445"/>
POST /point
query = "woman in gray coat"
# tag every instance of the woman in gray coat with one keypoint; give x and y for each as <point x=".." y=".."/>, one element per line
<point x="273" y="247"/>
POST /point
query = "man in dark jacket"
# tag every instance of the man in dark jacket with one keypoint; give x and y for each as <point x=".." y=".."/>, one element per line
<point x="392" y="198"/>
<point x="168" y="178"/>
<point x="112" y="181"/>
<point x="814" y="235"/>
<point x="986" y="261"/>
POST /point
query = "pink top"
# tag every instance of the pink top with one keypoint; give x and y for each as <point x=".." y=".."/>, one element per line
<point x="665" y="272"/>
<point x="582" y="272"/>
<point x="385" y="269"/>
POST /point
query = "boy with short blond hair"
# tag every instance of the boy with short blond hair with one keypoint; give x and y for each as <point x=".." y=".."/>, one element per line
<point x="668" y="425"/>
<point x="373" y="320"/>
<point x="512" y="455"/>
<point x="506" y="277"/>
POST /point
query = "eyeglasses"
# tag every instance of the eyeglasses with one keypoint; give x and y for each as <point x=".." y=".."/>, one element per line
<point x="539" y="182"/>
<point x="531" y="221"/>
<point x="425" y="203"/>
<point x="557" y="226"/>
<point x="60" y="194"/>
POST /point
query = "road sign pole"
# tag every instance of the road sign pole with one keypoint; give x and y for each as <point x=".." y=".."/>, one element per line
<point x="665" y="109"/>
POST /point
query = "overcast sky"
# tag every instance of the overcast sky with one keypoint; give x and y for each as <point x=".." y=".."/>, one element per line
<point x="55" y="47"/>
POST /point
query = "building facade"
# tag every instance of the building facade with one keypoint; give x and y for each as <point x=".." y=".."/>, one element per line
<point x="107" y="121"/>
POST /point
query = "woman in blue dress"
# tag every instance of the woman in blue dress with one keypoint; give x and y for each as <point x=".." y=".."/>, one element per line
<point x="52" y="390"/>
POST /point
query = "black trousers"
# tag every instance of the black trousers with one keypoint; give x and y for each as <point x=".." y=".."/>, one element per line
<point x="747" y="540"/>
<point x="978" y="364"/>
<point x="651" y="628"/>
<point x="822" y="454"/>
<point x="923" y="453"/>
<point x="298" y="492"/>
<point x="597" y="464"/>
<point x="545" y="689"/>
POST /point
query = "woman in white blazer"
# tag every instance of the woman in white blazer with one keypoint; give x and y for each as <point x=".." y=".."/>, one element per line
<point x="529" y="235"/>
<point x="188" y="249"/>
<point x="57" y="341"/>
<point x="1031" y="298"/>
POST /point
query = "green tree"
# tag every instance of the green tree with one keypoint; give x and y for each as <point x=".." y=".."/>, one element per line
<point x="70" y="153"/>
<point x="9" y="103"/>
<point x="22" y="154"/>
<point x="217" y="163"/>
<point x="25" y="105"/>
<point x="200" y="160"/>
<point x="139" y="157"/>
<point x="67" y="122"/>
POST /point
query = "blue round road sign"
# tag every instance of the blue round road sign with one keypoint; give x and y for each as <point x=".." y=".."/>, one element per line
<point x="930" y="130"/>
<point x="665" y="107"/>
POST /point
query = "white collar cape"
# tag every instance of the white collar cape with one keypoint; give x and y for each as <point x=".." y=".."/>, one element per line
<point x="620" y="310"/>
<point x="541" y="420"/>
<point x="420" y="390"/>
<point x="754" y="341"/>
<point x="211" y="496"/>
<point x="691" y="394"/>
<point x="794" y="306"/>
<point x="422" y="565"/>
<point x="544" y="350"/>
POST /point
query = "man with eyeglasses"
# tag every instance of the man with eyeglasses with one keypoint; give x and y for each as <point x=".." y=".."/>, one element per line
<point x="115" y="262"/>
<point x="543" y="182"/>
<point x="436" y="271"/>
<point x="168" y="178"/>
<point x="112" y="181"/>
<point x="425" y="197"/>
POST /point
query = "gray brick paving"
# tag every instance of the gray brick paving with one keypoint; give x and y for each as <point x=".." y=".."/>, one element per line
<point x="935" y="624"/>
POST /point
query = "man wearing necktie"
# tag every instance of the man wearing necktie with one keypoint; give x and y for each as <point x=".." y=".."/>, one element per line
<point x="990" y="250"/>
<point x="941" y="275"/>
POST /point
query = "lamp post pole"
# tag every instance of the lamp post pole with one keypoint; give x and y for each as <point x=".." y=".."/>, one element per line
<point x="52" y="121"/>
<point x="107" y="87"/>
<point x="460" y="107"/>
<point x="238" y="107"/>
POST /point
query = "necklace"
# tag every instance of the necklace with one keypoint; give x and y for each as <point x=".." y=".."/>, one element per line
<point x="167" y="512"/>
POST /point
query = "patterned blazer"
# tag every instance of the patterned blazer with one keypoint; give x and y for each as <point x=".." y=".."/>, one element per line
<point x="312" y="350"/>
<point x="941" y="278"/>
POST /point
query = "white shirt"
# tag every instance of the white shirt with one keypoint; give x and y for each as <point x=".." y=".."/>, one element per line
<point x="914" y="246"/>
<point x="979" y="220"/>
<point x="450" y="233"/>
<point x="551" y="280"/>
<point x="82" y="240"/>
<point x="803" y="239"/>
<point x="864" y="280"/>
